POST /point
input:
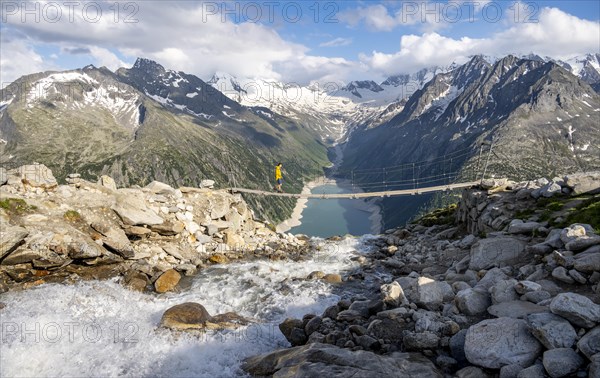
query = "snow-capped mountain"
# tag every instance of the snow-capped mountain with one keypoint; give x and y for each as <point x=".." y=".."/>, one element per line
<point x="319" y="106"/>
<point x="544" y="121"/>
<point x="586" y="67"/>
<point x="150" y="123"/>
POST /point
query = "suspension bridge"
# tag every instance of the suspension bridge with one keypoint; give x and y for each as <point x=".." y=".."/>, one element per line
<point x="462" y="168"/>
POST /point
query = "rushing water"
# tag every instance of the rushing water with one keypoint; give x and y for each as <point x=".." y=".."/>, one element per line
<point x="328" y="217"/>
<point x="99" y="328"/>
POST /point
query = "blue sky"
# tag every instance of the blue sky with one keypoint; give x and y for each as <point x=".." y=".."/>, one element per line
<point x="299" y="41"/>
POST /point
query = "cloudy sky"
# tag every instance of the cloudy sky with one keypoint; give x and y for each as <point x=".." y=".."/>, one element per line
<point x="299" y="41"/>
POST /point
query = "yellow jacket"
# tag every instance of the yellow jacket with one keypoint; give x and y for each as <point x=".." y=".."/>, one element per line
<point x="278" y="172"/>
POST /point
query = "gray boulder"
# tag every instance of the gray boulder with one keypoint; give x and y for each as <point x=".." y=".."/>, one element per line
<point x="550" y="190"/>
<point x="517" y="226"/>
<point x="472" y="301"/>
<point x="133" y="211"/>
<point x="561" y="274"/>
<point x="582" y="243"/>
<point x="494" y="343"/>
<point x="500" y="251"/>
<point x="515" y="309"/>
<point x="420" y="341"/>
<point x="587" y="182"/>
<point x="576" y="308"/>
<point x="207" y="184"/>
<point x="323" y="360"/>
<point x="85" y="250"/>
<point x="589" y="344"/>
<point x="587" y="262"/>
<point x="534" y="371"/>
<point x="561" y="362"/>
<point x="504" y="291"/>
<point x="10" y="238"/>
<point x="432" y="294"/>
<point x="510" y="371"/>
<point x="552" y="330"/>
<point x="457" y="346"/>
<point x="576" y="231"/>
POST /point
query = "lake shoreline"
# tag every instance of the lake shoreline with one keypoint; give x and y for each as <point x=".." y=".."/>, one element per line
<point x="370" y="206"/>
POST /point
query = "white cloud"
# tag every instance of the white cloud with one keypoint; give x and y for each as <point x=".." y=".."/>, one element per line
<point x="104" y="57"/>
<point x="337" y="42"/>
<point x="376" y="17"/>
<point x="428" y="15"/>
<point x="183" y="36"/>
<point x="17" y="58"/>
<point x="556" y="34"/>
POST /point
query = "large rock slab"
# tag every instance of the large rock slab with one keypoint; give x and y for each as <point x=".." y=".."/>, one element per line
<point x="515" y="309"/>
<point x="494" y="343"/>
<point x="517" y="226"/>
<point x="133" y="211"/>
<point x="500" y="251"/>
<point x="552" y="330"/>
<point x="37" y="175"/>
<point x="587" y="182"/>
<point x="115" y="239"/>
<point x="587" y="262"/>
<point x="158" y="187"/>
<point x="11" y="238"/>
<point x="324" y="360"/>
<point x="577" y="309"/>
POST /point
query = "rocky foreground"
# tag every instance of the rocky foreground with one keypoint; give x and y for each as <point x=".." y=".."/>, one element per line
<point x="151" y="236"/>
<point x="506" y="284"/>
<point x="503" y="289"/>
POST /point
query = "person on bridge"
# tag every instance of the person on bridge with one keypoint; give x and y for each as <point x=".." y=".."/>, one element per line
<point x="278" y="178"/>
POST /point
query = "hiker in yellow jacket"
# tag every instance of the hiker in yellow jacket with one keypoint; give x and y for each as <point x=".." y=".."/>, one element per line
<point x="278" y="178"/>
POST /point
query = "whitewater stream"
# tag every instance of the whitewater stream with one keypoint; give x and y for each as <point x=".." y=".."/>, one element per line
<point x="99" y="328"/>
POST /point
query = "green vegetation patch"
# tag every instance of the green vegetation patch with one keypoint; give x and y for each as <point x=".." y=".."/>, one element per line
<point x="586" y="212"/>
<point x="72" y="216"/>
<point x="16" y="206"/>
<point x="442" y="216"/>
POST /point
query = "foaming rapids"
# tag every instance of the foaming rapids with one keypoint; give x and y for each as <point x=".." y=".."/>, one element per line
<point x="99" y="328"/>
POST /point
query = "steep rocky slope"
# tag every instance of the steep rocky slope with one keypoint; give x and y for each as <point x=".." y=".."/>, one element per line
<point x="542" y="119"/>
<point x="85" y="230"/>
<point x="150" y="123"/>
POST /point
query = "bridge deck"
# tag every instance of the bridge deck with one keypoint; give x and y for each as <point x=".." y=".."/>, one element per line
<point x="387" y="193"/>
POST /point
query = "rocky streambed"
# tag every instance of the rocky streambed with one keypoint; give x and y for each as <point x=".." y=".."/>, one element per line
<point x="503" y="290"/>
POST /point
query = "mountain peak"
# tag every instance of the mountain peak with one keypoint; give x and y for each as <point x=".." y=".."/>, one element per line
<point x="148" y="65"/>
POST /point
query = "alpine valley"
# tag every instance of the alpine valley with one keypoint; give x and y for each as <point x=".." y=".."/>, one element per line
<point x="148" y="123"/>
